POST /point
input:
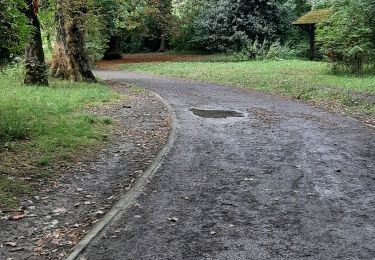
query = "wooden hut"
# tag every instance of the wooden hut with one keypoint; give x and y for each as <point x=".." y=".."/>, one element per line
<point x="308" y="23"/>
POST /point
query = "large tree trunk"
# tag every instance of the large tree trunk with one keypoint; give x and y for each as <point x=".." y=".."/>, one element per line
<point x="36" y="68"/>
<point x="70" y="60"/>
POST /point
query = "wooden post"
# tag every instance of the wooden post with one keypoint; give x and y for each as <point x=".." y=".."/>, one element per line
<point x="312" y="41"/>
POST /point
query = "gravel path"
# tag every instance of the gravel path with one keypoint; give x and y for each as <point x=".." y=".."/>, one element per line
<point x="79" y="195"/>
<point x="283" y="181"/>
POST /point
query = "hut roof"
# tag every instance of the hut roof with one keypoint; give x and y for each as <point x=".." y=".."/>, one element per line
<point x="315" y="16"/>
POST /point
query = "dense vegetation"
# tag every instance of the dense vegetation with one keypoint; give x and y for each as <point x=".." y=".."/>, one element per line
<point x="110" y="28"/>
<point x="350" y="34"/>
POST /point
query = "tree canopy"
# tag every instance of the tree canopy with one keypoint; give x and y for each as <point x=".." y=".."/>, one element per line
<point x="110" y="28"/>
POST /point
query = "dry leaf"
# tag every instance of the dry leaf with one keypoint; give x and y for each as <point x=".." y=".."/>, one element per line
<point x="174" y="220"/>
<point x="17" y="217"/>
<point x="11" y="244"/>
<point x="59" y="210"/>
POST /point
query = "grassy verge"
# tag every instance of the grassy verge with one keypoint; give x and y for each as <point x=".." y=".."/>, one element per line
<point x="44" y="126"/>
<point x="309" y="81"/>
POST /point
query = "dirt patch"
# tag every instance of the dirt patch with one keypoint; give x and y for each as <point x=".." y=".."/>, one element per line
<point x="149" y="57"/>
<point x="56" y="217"/>
<point x="263" y="118"/>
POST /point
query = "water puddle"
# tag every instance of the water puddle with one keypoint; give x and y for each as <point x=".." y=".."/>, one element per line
<point x="207" y="113"/>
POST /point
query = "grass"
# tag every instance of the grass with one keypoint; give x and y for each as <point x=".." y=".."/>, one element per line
<point x="10" y="188"/>
<point x="40" y="126"/>
<point x="305" y="80"/>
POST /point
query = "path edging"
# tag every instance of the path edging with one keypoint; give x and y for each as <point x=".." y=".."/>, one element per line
<point x="126" y="199"/>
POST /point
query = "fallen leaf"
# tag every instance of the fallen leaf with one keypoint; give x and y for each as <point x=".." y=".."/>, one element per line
<point x="15" y="249"/>
<point x="11" y="244"/>
<point x="174" y="220"/>
<point x="99" y="212"/>
<point x="60" y="210"/>
<point x="17" y="217"/>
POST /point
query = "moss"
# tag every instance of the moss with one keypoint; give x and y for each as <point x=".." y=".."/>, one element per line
<point x="315" y="16"/>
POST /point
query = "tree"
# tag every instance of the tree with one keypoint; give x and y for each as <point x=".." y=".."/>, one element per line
<point x="47" y="20"/>
<point x="163" y="17"/>
<point x="14" y="29"/>
<point x="186" y="12"/>
<point x="224" y="25"/>
<point x="110" y="24"/>
<point x="70" y="59"/>
<point x="35" y="65"/>
<point x="350" y="35"/>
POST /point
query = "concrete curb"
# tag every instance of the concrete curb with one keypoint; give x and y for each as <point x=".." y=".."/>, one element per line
<point x="127" y="199"/>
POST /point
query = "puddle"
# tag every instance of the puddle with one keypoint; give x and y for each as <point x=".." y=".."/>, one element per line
<point x="206" y="113"/>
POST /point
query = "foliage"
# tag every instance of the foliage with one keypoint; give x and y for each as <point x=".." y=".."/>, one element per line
<point x="96" y="31"/>
<point x="349" y="36"/>
<point x="13" y="28"/>
<point x="157" y="22"/>
<point x="121" y="23"/>
<point x="47" y="20"/>
<point x="185" y="12"/>
<point x="255" y="50"/>
<point x="223" y="25"/>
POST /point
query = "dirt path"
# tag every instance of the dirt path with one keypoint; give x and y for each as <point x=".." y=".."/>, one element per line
<point x="69" y="204"/>
<point x="281" y="180"/>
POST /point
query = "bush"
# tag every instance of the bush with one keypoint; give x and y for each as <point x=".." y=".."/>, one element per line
<point x="254" y="50"/>
<point x="14" y="29"/>
<point x="226" y="25"/>
<point x="348" y="38"/>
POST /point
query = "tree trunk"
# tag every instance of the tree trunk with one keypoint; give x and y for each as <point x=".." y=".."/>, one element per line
<point x="113" y="52"/>
<point x="35" y="65"/>
<point x="163" y="46"/>
<point x="49" y="42"/>
<point x="70" y="60"/>
<point x="312" y="42"/>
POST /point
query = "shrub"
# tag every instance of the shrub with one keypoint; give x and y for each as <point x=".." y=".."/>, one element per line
<point x="349" y="36"/>
<point x="13" y="29"/>
<point x="254" y="50"/>
<point x="224" y="25"/>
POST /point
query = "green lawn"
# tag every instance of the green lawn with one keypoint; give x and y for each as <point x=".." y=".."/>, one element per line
<point x="305" y="80"/>
<point x="42" y="125"/>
